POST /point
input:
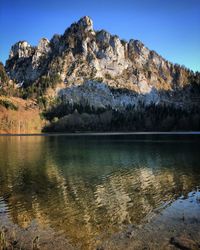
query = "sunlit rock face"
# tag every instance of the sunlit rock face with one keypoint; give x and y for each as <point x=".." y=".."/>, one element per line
<point x="86" y="23"/>
<point x="82" y="53"/>
<point x="100" y="96"/>
<point x="21" y="50"/>
<point x="41" y="51"/>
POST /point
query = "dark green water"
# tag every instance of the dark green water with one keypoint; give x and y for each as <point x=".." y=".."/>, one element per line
<point x="89" y="187"/>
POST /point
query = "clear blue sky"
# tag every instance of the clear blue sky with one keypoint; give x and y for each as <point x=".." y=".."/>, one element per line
<point x="170" y="27"/>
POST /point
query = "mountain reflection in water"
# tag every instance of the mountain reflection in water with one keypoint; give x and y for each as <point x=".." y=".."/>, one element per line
<point x="88" y="188"/>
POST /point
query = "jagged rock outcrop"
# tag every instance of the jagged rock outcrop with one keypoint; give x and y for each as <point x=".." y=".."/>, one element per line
<point x="40" y="52"/>
<point x="21" y="50"/>
<point x="27" y="63"/>
<point x="82" y="54"/>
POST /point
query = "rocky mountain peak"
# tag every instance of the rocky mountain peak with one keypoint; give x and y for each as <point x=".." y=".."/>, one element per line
<point x="44" y="45"/>
<point x="86" y="22"/>
<point x="82" y="54"/>
<point x="20" y="49"/>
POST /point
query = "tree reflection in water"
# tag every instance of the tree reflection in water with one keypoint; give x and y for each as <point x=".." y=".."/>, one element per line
<point x="91" y="187"/>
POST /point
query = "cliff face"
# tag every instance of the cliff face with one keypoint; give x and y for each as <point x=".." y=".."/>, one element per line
<point x="82" y="53"/>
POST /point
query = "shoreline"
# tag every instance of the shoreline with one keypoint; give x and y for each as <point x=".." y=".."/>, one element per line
<point x="106" y="133"/>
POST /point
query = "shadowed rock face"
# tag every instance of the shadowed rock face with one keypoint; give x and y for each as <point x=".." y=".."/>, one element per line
<point x="82" y="54"/>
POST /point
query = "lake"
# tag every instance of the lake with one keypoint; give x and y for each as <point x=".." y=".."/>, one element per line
<point x="98" y="191"/>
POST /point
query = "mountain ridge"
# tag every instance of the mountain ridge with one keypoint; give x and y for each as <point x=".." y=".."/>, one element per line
<point x="103" y="53"/>
<point x="94" y="72"/>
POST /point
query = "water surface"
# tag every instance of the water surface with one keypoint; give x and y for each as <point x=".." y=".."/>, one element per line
<point x="87" y="188"/>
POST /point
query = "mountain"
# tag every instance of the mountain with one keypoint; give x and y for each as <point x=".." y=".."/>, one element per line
<point x="92" y="80"/>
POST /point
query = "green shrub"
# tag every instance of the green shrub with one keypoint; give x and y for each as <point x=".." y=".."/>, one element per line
<point x="108" y="76"/>
<point x="98" y="79"/>
<point x="124" y="42"/>
<point x="4" y="79"/>
<point x="8" y="104"/>
<point x="42" y="102"/>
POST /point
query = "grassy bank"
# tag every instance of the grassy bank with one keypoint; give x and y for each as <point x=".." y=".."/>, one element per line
<point x="19" y="116"/>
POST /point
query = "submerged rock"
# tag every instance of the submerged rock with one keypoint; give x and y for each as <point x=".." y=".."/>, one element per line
<point x="184" y="243"/>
